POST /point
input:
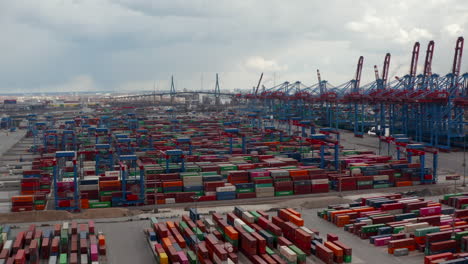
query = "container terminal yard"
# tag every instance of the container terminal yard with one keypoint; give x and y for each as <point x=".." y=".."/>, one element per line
<point x="289" y="173"/>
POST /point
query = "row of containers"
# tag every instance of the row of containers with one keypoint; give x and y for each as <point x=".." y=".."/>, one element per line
<point x="260" y="237"/>
<point x="67" y="243"/>
<point x="405" y="224"/>
<point x="234" y="177"/>
<point x="290" y="165"/>
<point x="34" y="186"/>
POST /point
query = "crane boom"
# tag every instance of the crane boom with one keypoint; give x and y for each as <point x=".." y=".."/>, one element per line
<point x="258" y="85"/>
<point x="320" y="82"/>
<point x="457" y="59"/>
<point x="357" y="79"/>
<point x="386" y="67"/>
<point x="428" y="61"/>
<point x="414" y="59"/>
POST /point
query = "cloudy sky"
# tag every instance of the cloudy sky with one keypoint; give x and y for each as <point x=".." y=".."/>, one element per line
<point x="124" y="45"/>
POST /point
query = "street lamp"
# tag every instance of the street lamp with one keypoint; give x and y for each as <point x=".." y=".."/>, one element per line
<point x="195" y="199"/>
<point x="464" y="161"/>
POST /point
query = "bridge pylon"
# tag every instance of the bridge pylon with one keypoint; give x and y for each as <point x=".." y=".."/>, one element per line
<point x="173" y="91"/>
<point x="217" y="92"/>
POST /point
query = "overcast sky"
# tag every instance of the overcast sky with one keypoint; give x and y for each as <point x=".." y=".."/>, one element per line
<point x="57" y="45"/>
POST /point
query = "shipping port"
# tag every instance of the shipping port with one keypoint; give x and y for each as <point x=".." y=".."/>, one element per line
<point x="110" y="168"/>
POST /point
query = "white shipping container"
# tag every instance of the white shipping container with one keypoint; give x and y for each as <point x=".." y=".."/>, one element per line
<point x="410" y="228"/>
<point x="265" y="194"/>
<point x="307" y="230"/>
<point x="226" y="189"/>
<point x="8" y="244"/>
<point x="89" y="163"/>
<point x="265" y="189"/>
<point x="84" y="258"/>
<point x="319" y="181"/>
<point x="279" y="173"/>
<point x="381" y="178"/>
<point x="246" y="216"/>
<point x="238" y="222"/>
<point x="288" y="254"/>
<point x="209" y="222"/>
<point x="356" y="171"/>
<point x="89" y="168"/>
<point x="410" y="201"/>
<point x="112" y="173"/>
<point x="53" y="260"/>
<point x="89" y="187"/>
<point x="170" y="200"/>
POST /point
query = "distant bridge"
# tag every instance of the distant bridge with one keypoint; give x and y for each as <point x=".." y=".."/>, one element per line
<point x="139" y="96"/>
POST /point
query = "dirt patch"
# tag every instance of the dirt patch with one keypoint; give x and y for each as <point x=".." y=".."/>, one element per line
<point x="46" y="216"/>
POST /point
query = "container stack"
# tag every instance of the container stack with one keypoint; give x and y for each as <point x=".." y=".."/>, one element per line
<point x="68" y="243"/>
<point x="226" y="193"/>
<point x="254" y="234"/>
<point x="406" y="224"/>
<point x="65" y="191"/>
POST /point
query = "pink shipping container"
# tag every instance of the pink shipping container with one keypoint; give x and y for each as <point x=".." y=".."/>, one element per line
<point x="428" y="211"/>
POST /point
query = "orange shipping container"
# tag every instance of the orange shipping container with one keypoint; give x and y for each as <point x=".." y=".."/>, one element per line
<point x="294" y="173"/>
<point x="166" y="242"/>
<point x="109" y="184"/>
<point x="39" y="207"/>
<point x="102" y="240"/>
<point x="294" y="212"/>
<point x="342" y="220"/>
<point x="180" y="241"/>
<point x="231" y="233"/>
<point x="296" y="220"/>
<point x="333" y="214"/>
<point x="22" y="199"/>
<point x="170" y="224"/>
<point x="337" y="251"/>
<point x="84" y="203"/>
<point x="403" y="183"/>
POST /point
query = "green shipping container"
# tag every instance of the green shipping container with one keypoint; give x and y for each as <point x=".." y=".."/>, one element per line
<point x="398" y="229"/>
<point x="247" y="190"/>
<point x="386" y="185"/>
<point x="424" y="231"/>
<point x="301" y="256"/>
<point x="371" y="228"/>
<point x="99" y="204"/>
<point x="284" y="193"/>
<point x="106" y="193"/>
<point x="248" y="229"/>
<point x="63" y="258"/>
<point x="347" y="258"/>
<point x="255" y="215"/>
<point x="263" y="185"/>
<point x="269" y="251"/>
<point x="192" y="258"/>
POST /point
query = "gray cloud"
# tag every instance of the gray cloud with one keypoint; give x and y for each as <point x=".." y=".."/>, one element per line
<point x="128" y="44"/>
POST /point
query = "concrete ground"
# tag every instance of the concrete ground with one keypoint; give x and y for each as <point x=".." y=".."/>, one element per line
<point x="126" y="242"/>
<point x="449" y="163"/>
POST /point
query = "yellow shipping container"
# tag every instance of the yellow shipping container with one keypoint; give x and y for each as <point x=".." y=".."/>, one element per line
<point x="163" y="259"/>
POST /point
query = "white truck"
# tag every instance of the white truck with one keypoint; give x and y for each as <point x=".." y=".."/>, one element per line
<point x="374" y="132"/>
